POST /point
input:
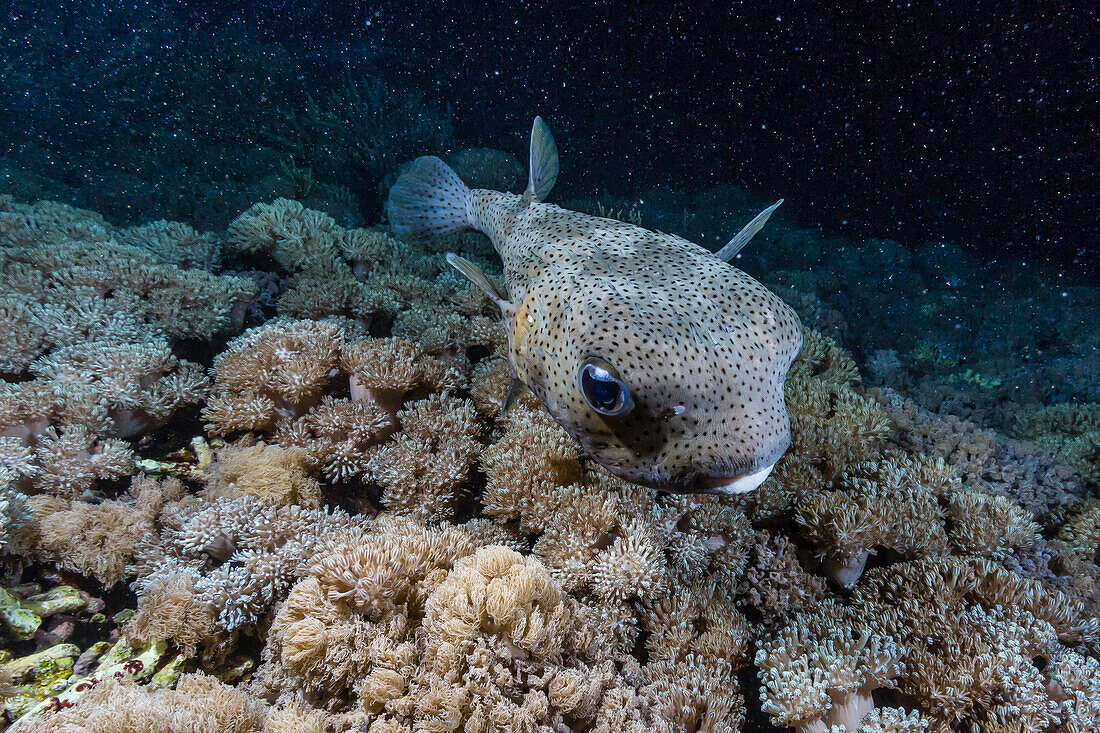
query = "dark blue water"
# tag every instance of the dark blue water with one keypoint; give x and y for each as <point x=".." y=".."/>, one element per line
<point x="972" y="124"/>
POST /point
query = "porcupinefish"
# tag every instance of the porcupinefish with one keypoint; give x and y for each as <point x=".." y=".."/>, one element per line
<point x="663" y="361"/>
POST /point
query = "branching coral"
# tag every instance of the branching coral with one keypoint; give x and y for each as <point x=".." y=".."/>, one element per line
<point x="15" y="511"/>
<point x="67" y="282"/>
<point x="1071" y="431"/>
<point x="236" y="557"/>
<point x="64" y="463"/>
<point x="1082" y="533"/>
<point x="277" y="371"/>
<point x="381" y="371"/>
<point x="986" y="461"/>
<point x="775" y="585"/>
<point x="892" y="504"/>
<point x="971" y="631"/>
<point x="99" y="540"/>
<point x="832" y="426"/>
<point x="423" y="469"/>
<point x="140" y="385"/>
<point x="990" y="526"/>
<point x="337" y="436"/>
<point x="818" y="672"/>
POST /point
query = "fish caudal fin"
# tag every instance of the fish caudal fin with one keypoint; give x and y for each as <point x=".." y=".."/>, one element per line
<point x="428" y="201"/>
<point x="544" y="162"/>
<point x="742" y="237"/>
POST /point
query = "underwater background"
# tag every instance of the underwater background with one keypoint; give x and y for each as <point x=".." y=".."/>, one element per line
<point x="256" y="470"/>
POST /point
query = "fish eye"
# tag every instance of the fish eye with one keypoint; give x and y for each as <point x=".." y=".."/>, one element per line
<point x="603" y="389"/>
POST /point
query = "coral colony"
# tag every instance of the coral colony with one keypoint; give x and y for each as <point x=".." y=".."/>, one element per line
<point x="291" y="497"/>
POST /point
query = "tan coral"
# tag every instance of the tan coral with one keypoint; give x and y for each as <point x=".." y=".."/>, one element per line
<point x="334" y="651"/>
<point x="370" y="250"/>
<point x="294" y="235"/>
<point x="422" y="471"/>
<point x="894" y="720"/>
<point x="986" y="461"/>
<point x="382" y="371"/>
<point x="446" y="334"/>
<point x="1074" y="685"/>
<point x="81" y="284"/>
<point x="489" y="385"/>
<point x="274" y="473"/>
<point x="987" y="525"/>
<point x="526" y="468"/>
<point x="632" y="567"/>
<point x="500" y="594"/>
<point x="376" y="572"/>
<point x="175" y="243"/>
<point x="100" y="539"/>
<point x="832" y="426"/>
<point x="818" y="672"/>
<point x="242" y="554"/>
<point x="338" y="436"/>
<point x="891" y="504"/>
<point x="198" y="703"/>
<point x="775" y="585"/>
<point x="707" y="538"/>
<point x="696" y="621"/>
<point x="322" y="290"/>
<point x="171" y="608"/>
<point x="141" y="385"/>
<point x="296" y="717"/>
<point x="65" y="463"/>
<point x="273" y="372"/>
<point x="971" y="630"/>
<point x="1082" y="532"/>
<point x="28" y="408"/>
<point x="698" y="693"/>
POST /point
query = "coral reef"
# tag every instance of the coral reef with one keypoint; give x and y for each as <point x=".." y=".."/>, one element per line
<point x="372" y="536"/>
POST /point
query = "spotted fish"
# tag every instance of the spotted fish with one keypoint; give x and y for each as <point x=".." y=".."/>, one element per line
<point x="664" y="362"/>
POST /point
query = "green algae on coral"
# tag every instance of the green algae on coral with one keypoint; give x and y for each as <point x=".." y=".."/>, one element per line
<point x="18" y="620"/>
<point x="59" y="599"/>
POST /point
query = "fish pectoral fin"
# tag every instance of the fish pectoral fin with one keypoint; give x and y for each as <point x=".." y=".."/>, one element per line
<point x="517" y="390"/>
<point x="742" y="237"/>
<point x="543" y="163"/>
<point x="477" y="276"/>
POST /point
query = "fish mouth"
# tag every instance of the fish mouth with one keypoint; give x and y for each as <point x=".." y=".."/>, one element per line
<point x="733" y="485"/>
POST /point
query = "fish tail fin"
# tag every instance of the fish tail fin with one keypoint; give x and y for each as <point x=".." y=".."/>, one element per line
<point x="543" y="162"/>
<point x="428" y="201"/>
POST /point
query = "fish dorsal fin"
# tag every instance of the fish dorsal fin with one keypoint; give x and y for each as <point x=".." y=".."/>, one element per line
<point x="474" y="274"/>
<point x="742" y="237"/>
<point x="543" y="164"/>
